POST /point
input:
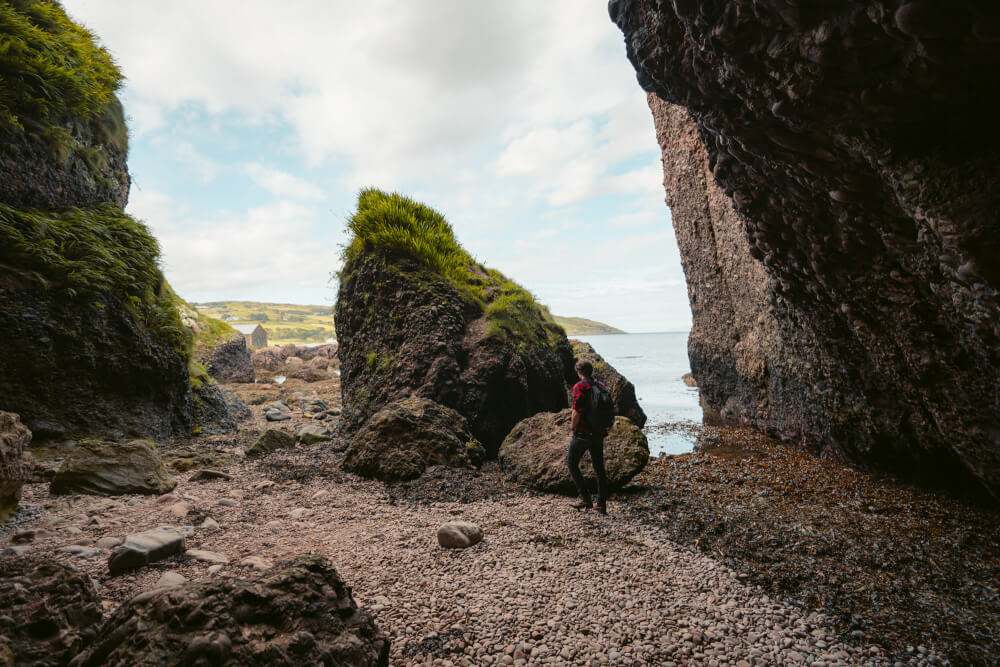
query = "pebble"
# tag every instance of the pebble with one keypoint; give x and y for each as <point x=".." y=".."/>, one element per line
<point x="108" y="542"/>
<point x="209" y="524"/>
<point x="228" y="502"/>
<point x="179" y="510"/>
<point x="170" y="579"/>
<point x="256" y="562"/>
<point x="205" y="556"/>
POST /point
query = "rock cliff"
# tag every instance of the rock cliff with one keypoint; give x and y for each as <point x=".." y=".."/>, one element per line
<point x="416" y="316"/>
<point x="856" y="287"/>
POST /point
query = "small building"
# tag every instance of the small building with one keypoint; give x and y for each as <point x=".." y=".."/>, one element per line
<point x="255" y="334"/>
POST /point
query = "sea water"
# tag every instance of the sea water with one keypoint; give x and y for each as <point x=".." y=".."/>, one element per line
<point x="655" y="364"/>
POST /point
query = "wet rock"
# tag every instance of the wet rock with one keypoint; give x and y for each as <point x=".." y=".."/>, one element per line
<point x="534" y="454"/>
<point x="298" y="613"/>
<point x="459" y="534"/>
<point x="406" y="436"/>
<point x="49" y="612"/>
<point x="14" y="470"/>
<point x="113" y="468"/>
<point x="141" y="549"/>
<point x="271" y="441"/>
<point x="622" y="391"/>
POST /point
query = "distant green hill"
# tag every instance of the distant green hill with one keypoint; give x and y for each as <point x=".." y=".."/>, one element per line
<point x="296" y="323"/>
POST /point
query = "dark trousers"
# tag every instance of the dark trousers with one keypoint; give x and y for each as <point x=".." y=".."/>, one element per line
<point x="594" y="444"/>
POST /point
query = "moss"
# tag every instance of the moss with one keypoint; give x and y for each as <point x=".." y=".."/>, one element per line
<point x="396" y="226"/>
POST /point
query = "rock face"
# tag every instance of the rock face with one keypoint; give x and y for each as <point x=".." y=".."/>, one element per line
<point x="50" y="612"/>
<point x="405" y="327"/>
<point x="229" y="361"/>
<point x="622" y="391"/>
<point x="14" y="471"/>
<point x="406" y="436"/>
<point x="112" y="469"/>
<point x="862" y="163"/>
<point x="534" y="454"/>
<point x="298" y="613"/>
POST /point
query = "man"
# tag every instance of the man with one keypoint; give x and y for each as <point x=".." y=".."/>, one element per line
<point x="583" y="439"/>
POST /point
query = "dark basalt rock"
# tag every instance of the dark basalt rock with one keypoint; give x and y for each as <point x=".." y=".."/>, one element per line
<point x="403" y="331"/>
<point x="229" y="361"/>
<point x="48" y="612"/>
<point x="405" y="437"/>
<point x="622" y="391"/>
<point x="298" y="613"/>
<point x="858" y="145"/>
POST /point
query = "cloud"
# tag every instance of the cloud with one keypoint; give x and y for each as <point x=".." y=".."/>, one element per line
<point x="282" y="184"/>
<point x="205" y="167"/>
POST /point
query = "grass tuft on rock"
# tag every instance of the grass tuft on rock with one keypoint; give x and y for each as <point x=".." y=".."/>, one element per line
<point x="396" y="226"/>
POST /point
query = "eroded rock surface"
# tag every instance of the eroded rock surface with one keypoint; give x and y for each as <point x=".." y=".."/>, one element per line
<point x="298" y="613"/>
<point x="406" y="436"/>
<point x="48" y="612"/>
<point x="14" y="471"/>
<point x="534" y="453"/>
<point x="622" y="391"/>
<point x="860" y="153"/>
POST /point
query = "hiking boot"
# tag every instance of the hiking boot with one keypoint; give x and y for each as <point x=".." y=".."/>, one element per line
<point x="582" y="505"/>
<point x="602" y="506"/>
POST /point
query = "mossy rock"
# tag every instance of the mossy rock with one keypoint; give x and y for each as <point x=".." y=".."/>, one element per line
<point x="270" y="441"/>
<point x="104" y="468"/>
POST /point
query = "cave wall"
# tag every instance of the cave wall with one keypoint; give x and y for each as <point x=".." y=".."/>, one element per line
<point x="855" y="143"/>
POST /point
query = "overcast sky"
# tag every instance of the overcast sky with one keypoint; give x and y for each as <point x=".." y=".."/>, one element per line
<point x="254" y="124"/>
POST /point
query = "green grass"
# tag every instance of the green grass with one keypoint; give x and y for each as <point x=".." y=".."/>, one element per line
<point x="398" y="227"/>
<point x="50" y="68"/>
<point x="284" y="322"/>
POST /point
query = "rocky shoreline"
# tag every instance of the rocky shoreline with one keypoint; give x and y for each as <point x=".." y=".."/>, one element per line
<point x="705" y="558"/>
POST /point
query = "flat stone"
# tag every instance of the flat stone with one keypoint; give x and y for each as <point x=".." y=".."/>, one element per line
<point x="180" y="510"/>
<point x="215" y="569"/>
<point x="322" y="493"/>
<point x="206" y="474"/>
<point x="80" y="551"/>
<point x="299" y="512"/>
<point x="208" y="556"/>
<point x="209" y="524"/>
<point x="170" y="579"/>
<point x="141" y="549"/>
<point x="459" y="534"/>
<point x="18" y="550"/>
<point x="277" y="416"/>
<point x="108" y="542"/>
<point x="228" y="502"/>
<point x="256" y="562"/>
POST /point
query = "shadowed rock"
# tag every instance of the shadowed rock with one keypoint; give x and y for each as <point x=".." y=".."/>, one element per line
<point x="297" y="613"/>
<point x="534" y="453"/>
<point x="14" y="471"/>
<point x="406" y="436"/>
<point x="112" y="469"/>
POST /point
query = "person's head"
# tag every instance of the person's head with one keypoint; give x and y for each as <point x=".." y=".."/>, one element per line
<point x="584" y="369"/>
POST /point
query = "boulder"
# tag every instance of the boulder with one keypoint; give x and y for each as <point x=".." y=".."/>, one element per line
<point x="406" y="436"/>
<point x="298" y="613"/>
<point x="838" y="231"/>
<point x="310" y="434"/>
<point x="319" y="363"/>
<point x="465" y="337"/>
<point x="293" y="364"/>
<point x="266" y="359"/>
<point x="459" y="534"/>
<point x="141" y="549"/>
<point x="48" y="612"/>
<point x="216" y="412"/>
<point x="229" y="360"/>
<point x="534" y="453"/>
<point x="14" y="470"/>
<point x="622" y="391"/>
<point x="103" y="468"/>
<point x="270" y="441"/>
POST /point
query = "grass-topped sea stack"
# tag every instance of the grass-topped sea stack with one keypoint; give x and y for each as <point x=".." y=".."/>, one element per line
<point x="93" y="342"/>
<point x="418" y="316"/>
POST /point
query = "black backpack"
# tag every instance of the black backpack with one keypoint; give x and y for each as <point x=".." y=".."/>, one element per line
<point x="601" y="414"/>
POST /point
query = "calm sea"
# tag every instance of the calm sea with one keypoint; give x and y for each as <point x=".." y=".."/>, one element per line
<point x="654" y="363"/>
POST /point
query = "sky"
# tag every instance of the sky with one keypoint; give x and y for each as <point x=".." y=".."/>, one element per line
<point x="254" y="124"/>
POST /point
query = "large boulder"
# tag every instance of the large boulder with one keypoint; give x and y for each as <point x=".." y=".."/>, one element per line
<point x="405" y="437"/>
<point x="14" y="471"/>
<point x="48" y="612"/>
<point x="622" y="391"/>
<point x="419" y="317"/>
<point x="229" y="360"/>
<point x="103" y="468"/>
<point x="534" y="453"/>
<point x="861" y="157"/>
<point x="298" y="613"/>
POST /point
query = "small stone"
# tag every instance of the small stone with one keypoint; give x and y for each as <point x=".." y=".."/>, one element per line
<point x="16" y="550"/>
<point x="206" y="474"/>
<point x="140" y="549"/>
<point x="459" y="534"/>
<point x="109" y="542"/>
<point x="180" y="510"/>
<point x="215" y="569"/>
<point x="208" y="556"/>
<point x="322" y="493"/>
<point x="170" y="579"/>
<point x="80" y="551"/>
<point x="228" y="502"/>
<point x="209" y="524"/>
<point x="256" y="562"/>
<point x="299" y="512"/>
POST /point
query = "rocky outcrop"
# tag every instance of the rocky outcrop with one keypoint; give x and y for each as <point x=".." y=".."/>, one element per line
<point x="405" y="437"/>
<point x="861" y="158"/>
<point x="229" y="361"/>
<point x="298" y="613"/>
<point x="534" y="454"/>
<point x="622" y="391"/>
<point x="437" y="325"/>
<point x="49" y="612"/>
<point x="113" y="469"/>
<point x="14" y="470"/>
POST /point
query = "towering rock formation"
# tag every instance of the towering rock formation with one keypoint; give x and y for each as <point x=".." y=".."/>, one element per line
<point x="849" y="302"/>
